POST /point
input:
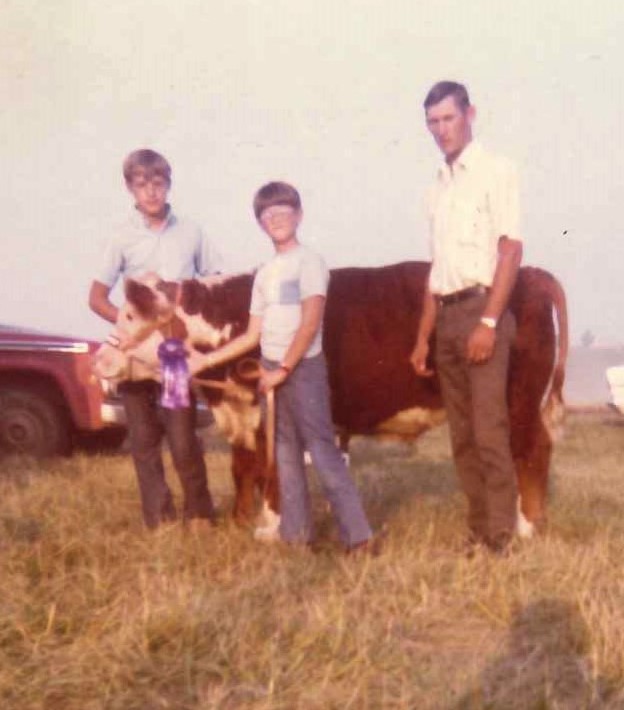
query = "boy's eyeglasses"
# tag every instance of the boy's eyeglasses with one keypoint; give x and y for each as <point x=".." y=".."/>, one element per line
<point x="275" y="212"/>
<point x="156" y="183"/>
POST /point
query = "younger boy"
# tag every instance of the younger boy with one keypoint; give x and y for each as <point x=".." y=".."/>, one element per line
<point x="286" y="318"/>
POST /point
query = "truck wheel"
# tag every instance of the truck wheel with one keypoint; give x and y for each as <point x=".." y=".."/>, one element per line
<point x="32" y="423"/>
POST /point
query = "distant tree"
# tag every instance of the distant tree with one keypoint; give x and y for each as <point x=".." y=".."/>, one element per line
<point x="587" y="339"/>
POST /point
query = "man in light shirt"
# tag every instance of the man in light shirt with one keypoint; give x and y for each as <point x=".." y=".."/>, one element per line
<point x="153" y="240"/>
<point x="476" y="252"/>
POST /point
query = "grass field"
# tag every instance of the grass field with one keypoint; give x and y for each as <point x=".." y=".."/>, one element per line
<point x="97" y="613"/>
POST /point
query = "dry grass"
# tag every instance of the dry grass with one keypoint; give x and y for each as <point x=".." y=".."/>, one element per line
<point x="97" y="613"/>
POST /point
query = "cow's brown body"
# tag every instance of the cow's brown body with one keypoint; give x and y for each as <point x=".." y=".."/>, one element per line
<point x="371" y="321"/>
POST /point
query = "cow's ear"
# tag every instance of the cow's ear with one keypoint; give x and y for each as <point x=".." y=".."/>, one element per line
<point x="142" y="298"/>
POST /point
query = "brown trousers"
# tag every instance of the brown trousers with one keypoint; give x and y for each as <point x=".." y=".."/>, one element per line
<point x="475" y="396"/>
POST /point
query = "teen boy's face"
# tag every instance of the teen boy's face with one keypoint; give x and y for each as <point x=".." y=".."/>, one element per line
<point x="280" y="222"/>
<point x="150" y="194"/>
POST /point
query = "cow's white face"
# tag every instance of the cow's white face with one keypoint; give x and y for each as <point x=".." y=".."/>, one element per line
<point x="110" y="363"/>
<point x="114" y="360"/>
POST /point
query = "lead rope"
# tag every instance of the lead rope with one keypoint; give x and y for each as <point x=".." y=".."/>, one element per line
<point x="248" y="369"/>
<point x="269" y="426"/>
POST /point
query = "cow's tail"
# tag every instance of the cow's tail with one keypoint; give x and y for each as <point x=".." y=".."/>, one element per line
<point x="553" y="412"/>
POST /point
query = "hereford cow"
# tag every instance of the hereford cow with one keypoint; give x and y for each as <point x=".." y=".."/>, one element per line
<point x="371" y="321"/>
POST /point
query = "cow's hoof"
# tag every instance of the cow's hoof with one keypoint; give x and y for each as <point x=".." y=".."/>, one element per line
<point x="524" y="528"/>
<point x="267" y="534"/>
<point x="269" y="530"/>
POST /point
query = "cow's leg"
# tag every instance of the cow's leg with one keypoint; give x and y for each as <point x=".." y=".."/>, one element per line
<point x="266" y="478"/>
<point x="532" y="472"/>
<point x="343" y="439"/>
<point x="268" y="487"/>
<point x="244" y="473"/>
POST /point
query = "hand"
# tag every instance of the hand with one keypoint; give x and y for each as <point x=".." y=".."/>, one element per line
<point x="480" y="344"/>
<point x="197" y="361"/>
<point x="269" y="379"/>
<point x="418" y="359"/>
<point x="126" y="341"/>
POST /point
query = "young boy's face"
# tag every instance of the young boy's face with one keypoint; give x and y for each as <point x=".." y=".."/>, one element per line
<point x="150" y="193"/>
<point x="280" y="222"/>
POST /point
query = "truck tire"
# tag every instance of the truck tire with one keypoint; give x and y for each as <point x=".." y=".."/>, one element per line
<point x="32" y="423"/>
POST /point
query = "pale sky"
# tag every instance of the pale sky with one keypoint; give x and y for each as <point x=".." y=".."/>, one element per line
<point x="326" y="94"/>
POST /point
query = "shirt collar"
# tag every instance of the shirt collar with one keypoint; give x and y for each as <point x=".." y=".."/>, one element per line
<point x="139" y="220"/>
<point x="466" y="160"/>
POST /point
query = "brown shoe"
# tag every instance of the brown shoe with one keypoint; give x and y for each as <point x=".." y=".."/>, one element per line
<point x="198" y="527"/>
<point x="371" y="546"/>
<point x="471" y="547"/>
<point x="500" y="544"/>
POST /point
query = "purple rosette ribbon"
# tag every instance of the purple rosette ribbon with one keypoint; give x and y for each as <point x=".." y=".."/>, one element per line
<point x="175" y="374"/>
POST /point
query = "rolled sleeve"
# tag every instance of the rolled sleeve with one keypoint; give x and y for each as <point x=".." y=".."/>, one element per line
<point x="258" y="303"/>
<point x="209" y="260"/>
<point x="314" y="277"/>
<point x="505" y="201"/>
<point x="111" y="265"/>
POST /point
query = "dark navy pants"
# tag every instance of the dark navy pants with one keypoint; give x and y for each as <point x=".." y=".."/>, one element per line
<point x="147" y="424"/>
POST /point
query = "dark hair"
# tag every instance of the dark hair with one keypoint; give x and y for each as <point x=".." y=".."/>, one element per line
<point x="438" y="92"/>
<point x="148" y="163"/>
<point x="275" y="193"/>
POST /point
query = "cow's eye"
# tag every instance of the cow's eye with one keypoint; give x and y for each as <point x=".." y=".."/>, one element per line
<point x="130" y="316"/>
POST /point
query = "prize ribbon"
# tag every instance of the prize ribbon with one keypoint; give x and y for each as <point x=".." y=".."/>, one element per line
<point x="175" y="374"/>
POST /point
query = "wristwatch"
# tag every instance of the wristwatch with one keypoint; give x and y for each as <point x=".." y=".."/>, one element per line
<point x="489" y="322"/>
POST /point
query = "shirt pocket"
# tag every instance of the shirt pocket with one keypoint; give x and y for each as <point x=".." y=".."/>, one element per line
<point x="290" y="292"/>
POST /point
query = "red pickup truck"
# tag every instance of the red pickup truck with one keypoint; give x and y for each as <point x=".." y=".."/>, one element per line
<point x="48" y="394"/>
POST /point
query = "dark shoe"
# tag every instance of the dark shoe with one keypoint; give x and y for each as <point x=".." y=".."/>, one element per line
<point x="371" y="546"/>
<point x="500" y="544"/>
<point x="472" y="544"/>
<point x="200" y="527"/>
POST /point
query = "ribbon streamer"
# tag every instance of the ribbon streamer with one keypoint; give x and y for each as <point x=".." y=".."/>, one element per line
<point x="175" y="374"/>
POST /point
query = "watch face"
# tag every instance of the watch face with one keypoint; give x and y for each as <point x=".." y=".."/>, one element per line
<point x="490" y="322"/>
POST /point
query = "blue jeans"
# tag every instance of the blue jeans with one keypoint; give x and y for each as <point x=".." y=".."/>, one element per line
<point x="304" y="423"/>
<point x="147" y="423"/>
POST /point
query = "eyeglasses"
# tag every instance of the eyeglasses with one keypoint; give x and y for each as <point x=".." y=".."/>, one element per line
<point x="157" y="183"/>
<point x="271" y="213"/>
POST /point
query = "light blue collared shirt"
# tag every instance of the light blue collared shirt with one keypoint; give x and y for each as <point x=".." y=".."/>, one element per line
<point x="178" y="250"/>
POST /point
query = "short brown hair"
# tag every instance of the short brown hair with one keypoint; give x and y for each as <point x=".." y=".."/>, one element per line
<point x="438" y="92"/>
<point x="275" y="193"/>
<point x="148" y="163"/>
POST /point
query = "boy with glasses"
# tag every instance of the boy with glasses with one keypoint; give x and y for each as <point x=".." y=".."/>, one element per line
<point x="286" y="319"/>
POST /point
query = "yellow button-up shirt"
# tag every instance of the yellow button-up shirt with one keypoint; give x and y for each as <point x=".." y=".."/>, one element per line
<point x="471" y="205"/>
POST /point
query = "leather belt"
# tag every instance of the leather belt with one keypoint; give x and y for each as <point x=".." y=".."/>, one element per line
<point x="449" y="299"/>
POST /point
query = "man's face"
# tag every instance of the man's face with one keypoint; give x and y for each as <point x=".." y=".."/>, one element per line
<point x="280" y="222"/>
<point x="150" y="194"/>
<point x="450" y="126"/>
